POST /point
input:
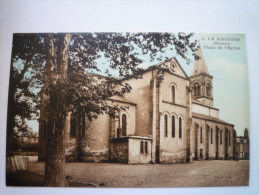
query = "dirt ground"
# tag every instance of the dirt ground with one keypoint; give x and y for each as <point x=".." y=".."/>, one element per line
<point x="198" y="173"/>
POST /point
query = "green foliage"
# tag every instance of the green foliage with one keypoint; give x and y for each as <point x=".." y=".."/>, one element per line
<point x="53" y="73"/>
<point x="80" y="91"/>
<point x="84" y="92"/>
<point x="28" y="55"/>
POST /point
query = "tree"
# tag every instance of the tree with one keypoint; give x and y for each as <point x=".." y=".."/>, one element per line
<point x="28" y="54"/>
<point x="69" y="86"/>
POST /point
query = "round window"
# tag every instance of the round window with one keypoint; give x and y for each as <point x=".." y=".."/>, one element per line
<point x="172" y="66"/>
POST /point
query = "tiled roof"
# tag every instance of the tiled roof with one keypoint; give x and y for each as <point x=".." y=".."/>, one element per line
<point x="209" y="118"/>
<point x="122" y="99"/>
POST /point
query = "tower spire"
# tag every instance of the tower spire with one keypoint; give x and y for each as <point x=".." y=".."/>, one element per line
<point x="201" y="81"/>
<point x="200" y="65"/>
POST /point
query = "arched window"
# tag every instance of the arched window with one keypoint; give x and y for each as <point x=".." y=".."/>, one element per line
<point x="208" y="89"/>
<point x="142" y="147"/>
<point x="200" y="134"/>
<point x="73" y="126"/>
<point x="124" y="124"/>
<point x="196" y="89"/>
<point x="173" y="126"/>
<point x="173" y="93"/>
<point x="220" y="136"/>
<point x="211" y="136"/>
<point x="180" y="127"/>
<point x="229" y="138"/>
<point x="146" y="147"/>
<point x="166" y="125"/>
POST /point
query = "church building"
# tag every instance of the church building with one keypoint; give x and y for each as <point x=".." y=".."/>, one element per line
<point x="167" y="121"/>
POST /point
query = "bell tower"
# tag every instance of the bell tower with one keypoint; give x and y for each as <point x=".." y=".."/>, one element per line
<point x="201" y="81"/>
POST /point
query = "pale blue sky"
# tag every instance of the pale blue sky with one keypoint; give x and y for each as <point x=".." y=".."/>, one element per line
<point x="229" y="70"/>
<point x="230" y="83"/>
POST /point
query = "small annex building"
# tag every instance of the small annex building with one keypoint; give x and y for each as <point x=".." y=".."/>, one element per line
<point x="167" y="122"/>
<point x="242" y="146"/>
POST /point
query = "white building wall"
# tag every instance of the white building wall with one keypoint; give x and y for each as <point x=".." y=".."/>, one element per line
<point x="205" y="110"/>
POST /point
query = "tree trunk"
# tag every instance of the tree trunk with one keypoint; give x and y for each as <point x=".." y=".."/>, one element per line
<point x="56" y="65"/>
<point x="55" y="161"/>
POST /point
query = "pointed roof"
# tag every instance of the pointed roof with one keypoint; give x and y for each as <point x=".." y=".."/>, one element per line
<point x="200" y="64"/>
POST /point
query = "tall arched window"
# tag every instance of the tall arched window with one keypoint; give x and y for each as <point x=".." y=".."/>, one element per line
<point x="220" y="136"/>
<point x="146" y="147"/>
<point x="208" y="89"/>
<point x="73" y="126"/>
<point x="200" y="134"/>
<point x="141" y="147"/>
<point x="173" y="93"/>
<point x="180" y="127"/>
<point x="196" y="89"/>
<point x="211" y="136"/>
<point x="124" y="124"/>
<point x="166" y="125"/>
<point x="173" y="126"/>
<point x="229" y="138"/>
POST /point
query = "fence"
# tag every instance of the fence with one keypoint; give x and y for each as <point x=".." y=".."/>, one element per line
<point x="17" y="163"/>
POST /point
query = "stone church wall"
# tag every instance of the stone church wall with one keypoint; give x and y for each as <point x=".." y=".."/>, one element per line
<point x="140" y="94"/>
<point x="149" y="104"/>
<point x="135" y="153"/>
<point x="205" y="110"/>
<point x="231" y="154"/>
<point x="173" y="148"/>
<point x="119" y="150"/>
<point x="221" y="146"/>
<point x="212" y="142"/>
<point x="218" y="149"/>
<point x="94" y="146"/>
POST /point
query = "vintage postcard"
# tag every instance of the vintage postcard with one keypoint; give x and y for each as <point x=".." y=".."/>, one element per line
<point x="128" y="110"/>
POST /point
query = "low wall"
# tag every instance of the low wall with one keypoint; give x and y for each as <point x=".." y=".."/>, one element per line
<point x="119" y="150"/>
<point x="137" y="154"/>
<point x="17" y="163"/>
<point x="131" y="149"/>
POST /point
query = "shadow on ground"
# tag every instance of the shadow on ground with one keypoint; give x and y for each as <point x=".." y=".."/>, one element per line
<point x="24" y="178"/>
<point x="196" y="174"/>
<point x="30" y="179"/>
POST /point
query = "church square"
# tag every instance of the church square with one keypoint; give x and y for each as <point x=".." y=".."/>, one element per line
<point x="174" y="111"/>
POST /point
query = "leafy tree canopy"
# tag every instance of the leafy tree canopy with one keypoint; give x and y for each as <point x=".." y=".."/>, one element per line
<point x="81" y="91"/>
